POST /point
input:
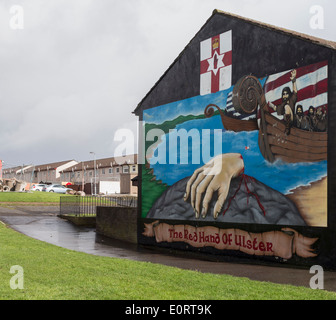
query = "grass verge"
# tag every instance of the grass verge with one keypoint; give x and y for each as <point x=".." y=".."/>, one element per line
<point x="54" y="273"/>
<point x="31" y="197"/>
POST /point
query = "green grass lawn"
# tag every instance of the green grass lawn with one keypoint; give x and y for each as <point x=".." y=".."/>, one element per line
<point x="35" y="196"/>
<point x="54" y="273"/>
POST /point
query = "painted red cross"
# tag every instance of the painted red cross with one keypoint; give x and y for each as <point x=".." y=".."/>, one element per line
<point x="216" y="57"/>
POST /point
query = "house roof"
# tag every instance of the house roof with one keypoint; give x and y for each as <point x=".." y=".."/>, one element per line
<point x="23" y="169"/>
<point x="103" y="163"/>
<point x="52" y="166"/>
<point x="315" y="40"/>
<point x="10" y="170"/>
<point x="319" y="41"/>
<point x="49" y="166"/>
<point x="40" y="167"/>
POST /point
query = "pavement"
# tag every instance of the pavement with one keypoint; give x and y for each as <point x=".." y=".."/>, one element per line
<point x="42" y="223"/>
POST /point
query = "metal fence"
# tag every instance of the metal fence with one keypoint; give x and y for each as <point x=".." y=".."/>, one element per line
<point x="86" y="205"/>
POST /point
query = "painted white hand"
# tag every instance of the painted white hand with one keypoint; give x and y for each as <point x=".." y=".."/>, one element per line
<point x="214" y="176"/>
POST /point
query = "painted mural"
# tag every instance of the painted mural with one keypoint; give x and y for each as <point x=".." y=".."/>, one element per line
<point x="249" y="153"/>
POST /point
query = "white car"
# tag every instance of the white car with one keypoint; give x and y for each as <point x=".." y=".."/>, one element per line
<point x="55" y="188"/>
<point x="38" y="187"/>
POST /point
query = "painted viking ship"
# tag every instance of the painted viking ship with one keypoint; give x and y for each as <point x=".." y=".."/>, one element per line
<point x="298" y="146"/>
<point x="244" y="102"/>
<point x="274" y="144"/>
<point x="230" y="123"/>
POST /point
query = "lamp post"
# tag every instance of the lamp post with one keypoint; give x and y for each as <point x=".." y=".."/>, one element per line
<point x="94" y="163"/>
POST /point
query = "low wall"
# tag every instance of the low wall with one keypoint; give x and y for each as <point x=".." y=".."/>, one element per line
<point x="118" y="223"/>
<point x="80" y="221"/>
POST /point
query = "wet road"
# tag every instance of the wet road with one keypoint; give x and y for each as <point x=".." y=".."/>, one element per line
<point x="43" y="224"/>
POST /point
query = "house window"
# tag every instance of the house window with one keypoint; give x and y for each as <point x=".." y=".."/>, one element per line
<point x="110" y="170"/>
<point x="103" y="171"/>
<point x="133" y="168"/>
<point x="125" y="169"/>
<point x="117" y="170"/>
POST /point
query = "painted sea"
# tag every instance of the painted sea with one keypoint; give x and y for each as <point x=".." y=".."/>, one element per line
<point x="172" y="163"/>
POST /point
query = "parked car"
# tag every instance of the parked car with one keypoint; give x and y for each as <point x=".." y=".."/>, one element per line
<point x="55" y="188"/>
<point x="37" y="187"/>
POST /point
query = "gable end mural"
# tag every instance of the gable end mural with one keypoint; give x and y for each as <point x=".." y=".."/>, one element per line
<point x="241" y="168"/>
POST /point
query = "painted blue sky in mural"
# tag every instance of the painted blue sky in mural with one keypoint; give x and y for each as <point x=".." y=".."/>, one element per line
<point x="194" y="106"/>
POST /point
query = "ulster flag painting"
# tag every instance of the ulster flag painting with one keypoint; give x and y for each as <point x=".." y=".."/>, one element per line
<point x="216" y="63"/>
<point x="311" y="87"/>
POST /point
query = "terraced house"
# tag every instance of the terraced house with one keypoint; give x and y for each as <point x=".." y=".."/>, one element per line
<point x="111" y="175"/>
<point x="49" y="172"/>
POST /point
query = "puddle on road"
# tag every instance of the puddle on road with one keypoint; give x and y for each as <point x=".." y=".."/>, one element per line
<point x="63" y="233"/>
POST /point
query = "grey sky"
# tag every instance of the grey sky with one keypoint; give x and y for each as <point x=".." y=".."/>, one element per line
<point x="75" y="72"/>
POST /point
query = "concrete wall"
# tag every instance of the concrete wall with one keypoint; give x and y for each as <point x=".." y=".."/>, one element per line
<point x="117" y="223"/>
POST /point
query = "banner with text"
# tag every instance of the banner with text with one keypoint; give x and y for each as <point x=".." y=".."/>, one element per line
<point x="282" y="243"/>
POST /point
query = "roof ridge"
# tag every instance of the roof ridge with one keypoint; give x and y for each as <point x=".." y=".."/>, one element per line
<point x="321" y="41"/>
